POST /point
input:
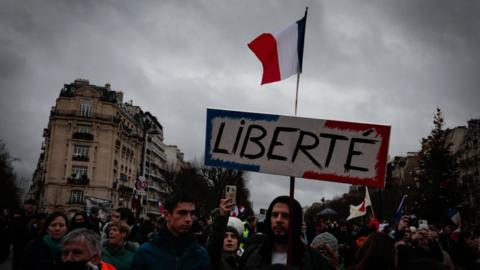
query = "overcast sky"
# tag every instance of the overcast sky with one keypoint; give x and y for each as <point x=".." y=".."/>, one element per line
<point x="386" y="62"/>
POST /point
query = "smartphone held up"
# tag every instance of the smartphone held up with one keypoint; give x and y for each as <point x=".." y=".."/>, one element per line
<point x="231" y="192"/>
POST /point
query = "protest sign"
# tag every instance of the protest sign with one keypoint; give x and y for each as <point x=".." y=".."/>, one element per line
<point x="104" y="206"/>
<point x="337" y="151"/>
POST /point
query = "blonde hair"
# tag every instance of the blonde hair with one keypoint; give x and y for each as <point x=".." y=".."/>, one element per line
<point x="122" y="227"/>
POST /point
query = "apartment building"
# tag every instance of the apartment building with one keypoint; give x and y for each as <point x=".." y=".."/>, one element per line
<point x="93" y="148"/>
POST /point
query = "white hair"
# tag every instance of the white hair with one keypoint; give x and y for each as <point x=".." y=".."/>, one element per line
<point x="91" y="239"/>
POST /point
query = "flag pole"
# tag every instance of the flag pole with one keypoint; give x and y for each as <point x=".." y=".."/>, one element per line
<point x="292" y="178"/>
<point x="290" y="257"/>
<point x="371" y="204"/>
<point x="296" y="93"/>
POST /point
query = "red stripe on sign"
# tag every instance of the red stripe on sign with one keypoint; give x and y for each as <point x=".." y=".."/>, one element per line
<point x="371" y="182"/>
<point x="380" y="166"/>
<point x="341" y="125"/>
<point x="265" y="48"/>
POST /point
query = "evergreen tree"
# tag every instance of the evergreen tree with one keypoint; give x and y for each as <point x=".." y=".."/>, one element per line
<point x="437" y="174"/>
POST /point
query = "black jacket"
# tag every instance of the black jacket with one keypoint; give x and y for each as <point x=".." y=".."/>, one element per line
<point x="37" y="255"/>
<point x="304" y="257"/>
<point x="311" y="259"/>
<point x="220" y="260"/>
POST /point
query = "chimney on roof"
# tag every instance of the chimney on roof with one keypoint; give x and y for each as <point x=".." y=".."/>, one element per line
<point x="81" y="82"/>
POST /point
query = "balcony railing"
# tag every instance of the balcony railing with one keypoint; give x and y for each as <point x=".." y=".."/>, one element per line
<point x="125" y="189"/>
<point x="83" y="136"/>
<point x="76" y="201"/>
<point x="80" y="158"/>
<point x="76" y="113"/>
<point x="82" y="181"/>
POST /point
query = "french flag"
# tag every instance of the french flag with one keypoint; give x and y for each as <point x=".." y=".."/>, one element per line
<point x="281" y="53"/>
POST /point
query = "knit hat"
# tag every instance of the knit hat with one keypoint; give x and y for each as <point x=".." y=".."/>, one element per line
<point x="328" y="239"/>
<point x="236" y="224"/>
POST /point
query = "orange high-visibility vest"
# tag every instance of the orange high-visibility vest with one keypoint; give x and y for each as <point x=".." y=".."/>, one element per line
<point x="106" y="266"/>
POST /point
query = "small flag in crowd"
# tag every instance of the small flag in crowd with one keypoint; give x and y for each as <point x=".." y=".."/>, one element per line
<point x="401" y="208"/>
<point x="357" y="210"/>
<point x="160" y="207"/>
<point x="281" y="53"/>
<point x="234" y="212"/>
<point x="361" y="209"/>
<point x="455" y="216"/>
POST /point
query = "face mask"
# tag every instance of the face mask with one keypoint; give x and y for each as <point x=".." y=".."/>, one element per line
<point x="79" y="265"/>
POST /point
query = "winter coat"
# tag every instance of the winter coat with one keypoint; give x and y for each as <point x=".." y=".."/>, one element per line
<point x="311" y="259"/>
<point x="37" y="255"/>
<point x="304" y="257"/>
<point x="120" y="257"/>
<point x="23" y="229"/>
<point x="219" y="259"/>
<point x="167" y="252"/>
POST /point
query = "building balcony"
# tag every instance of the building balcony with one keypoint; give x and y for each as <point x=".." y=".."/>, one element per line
<point x="124" y="189"/>
<point x="80" y="158"/>
<point x="78" y="201"/>
<point x="153" y="211"/>
<point x="156" y="176"/>
<point x="82" y="181"/>
<point x="91" y="115"/>
<point x="155" y="186"/>
<point x="83" y="136"/>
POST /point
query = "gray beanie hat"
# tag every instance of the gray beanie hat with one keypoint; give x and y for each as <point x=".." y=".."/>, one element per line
<point x="328" y="239"/>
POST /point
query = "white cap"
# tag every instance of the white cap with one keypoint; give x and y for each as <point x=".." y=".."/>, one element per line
<point x="236" y="223"/>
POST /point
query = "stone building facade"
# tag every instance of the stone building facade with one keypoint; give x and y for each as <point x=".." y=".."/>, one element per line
<point x="93" y="147"/>
<point x="155" y="162"/>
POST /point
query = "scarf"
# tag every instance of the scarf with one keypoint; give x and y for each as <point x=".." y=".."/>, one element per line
<point x="54" y="245"/>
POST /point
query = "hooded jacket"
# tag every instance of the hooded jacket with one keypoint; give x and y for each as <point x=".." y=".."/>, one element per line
<point x="304" y="258"/>
<point x="165" y="251"/>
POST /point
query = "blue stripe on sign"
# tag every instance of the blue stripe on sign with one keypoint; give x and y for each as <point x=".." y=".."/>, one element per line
<point x="232" y="165"/>
<point x="214" y="113"/>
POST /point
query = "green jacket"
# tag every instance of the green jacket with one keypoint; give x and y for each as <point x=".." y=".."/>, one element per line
<point x="121" y="257"/>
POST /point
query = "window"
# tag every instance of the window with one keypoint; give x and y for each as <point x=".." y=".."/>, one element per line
<point x="79" y="171"/>
<point x="84" y="129"/>
<point x="76" y="196"/>
<point x="85" y="108"/>
<point x="80" y="151"/>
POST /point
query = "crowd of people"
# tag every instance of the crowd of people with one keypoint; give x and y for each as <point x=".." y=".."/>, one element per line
<point x="181" y="240"/>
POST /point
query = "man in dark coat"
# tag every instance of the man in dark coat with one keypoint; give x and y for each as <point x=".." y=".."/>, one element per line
<point x="274" y="249"/>
<point x="175" y="246"/>
<point x="23" y="228"/>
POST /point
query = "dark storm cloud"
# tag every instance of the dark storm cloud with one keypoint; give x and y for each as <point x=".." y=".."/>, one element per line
<point x="389" y="62"/>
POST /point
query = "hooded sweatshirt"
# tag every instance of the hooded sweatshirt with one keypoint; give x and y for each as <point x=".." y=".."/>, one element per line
<point x="304" y="257"/>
